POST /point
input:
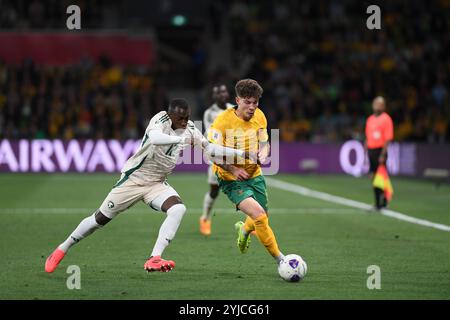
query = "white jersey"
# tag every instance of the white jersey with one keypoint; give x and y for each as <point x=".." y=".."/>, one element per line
<point x="152" y="162"/>
<point x="211" y="114"/>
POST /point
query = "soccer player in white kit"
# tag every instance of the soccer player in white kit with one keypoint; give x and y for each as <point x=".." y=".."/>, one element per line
<point x="143" y="178"/>
<point x="220" y="97"/>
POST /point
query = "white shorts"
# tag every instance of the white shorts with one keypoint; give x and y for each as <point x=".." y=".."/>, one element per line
<point x="212" y="178"/>
<point x="122" y="197"/>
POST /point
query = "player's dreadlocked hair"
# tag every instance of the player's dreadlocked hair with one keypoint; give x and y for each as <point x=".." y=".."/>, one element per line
<point x="178" y="103"/>
<point x="248" y="88"/>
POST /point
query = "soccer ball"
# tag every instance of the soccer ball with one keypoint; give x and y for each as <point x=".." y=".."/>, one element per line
<point x="293" y="268"/>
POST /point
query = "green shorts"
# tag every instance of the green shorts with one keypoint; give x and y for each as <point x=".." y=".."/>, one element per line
<point x="238" y="191"/>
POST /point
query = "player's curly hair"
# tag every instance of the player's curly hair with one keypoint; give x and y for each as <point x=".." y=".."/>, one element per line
<point x="248" y="88"/>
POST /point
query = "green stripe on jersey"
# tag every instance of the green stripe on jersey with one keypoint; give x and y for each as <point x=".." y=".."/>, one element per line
<point x="169" y="151"/>
<point x="145" y="140"/>
<point x="129" y="172"/>
<point x="164" y="118"/>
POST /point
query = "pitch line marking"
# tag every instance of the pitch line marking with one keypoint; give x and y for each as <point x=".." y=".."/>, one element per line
<point x="191" y="210"/>
<point x="351" y="203"/>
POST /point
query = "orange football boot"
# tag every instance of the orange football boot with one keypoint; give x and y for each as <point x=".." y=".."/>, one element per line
<point x="156" y="263"/>
<point x="205" y="227"/>
<point x="53" y="260"/>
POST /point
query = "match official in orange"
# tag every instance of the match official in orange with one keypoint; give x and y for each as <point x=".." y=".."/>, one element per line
<point x="379" y="132"/>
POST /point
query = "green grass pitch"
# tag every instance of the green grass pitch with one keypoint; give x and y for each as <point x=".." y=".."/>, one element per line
<point x="39" y="211"/>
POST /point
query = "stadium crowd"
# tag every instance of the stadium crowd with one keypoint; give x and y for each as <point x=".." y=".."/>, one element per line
<point x="88" y="100"/>
<point x="318" y="63"/>
<point x="321" y="66"/>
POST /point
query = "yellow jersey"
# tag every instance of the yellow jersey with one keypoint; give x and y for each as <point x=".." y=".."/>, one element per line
<point x="231" y="131"/>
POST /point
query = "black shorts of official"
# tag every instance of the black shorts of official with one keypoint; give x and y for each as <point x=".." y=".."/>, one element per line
<point x="374" y="154"/>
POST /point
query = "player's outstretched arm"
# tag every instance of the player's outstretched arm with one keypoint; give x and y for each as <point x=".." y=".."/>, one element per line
<point x="157" y="137"/>
<point x="216" y="150"/>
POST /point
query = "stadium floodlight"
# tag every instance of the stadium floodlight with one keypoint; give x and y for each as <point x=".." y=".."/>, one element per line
<point x="179" y="20"/>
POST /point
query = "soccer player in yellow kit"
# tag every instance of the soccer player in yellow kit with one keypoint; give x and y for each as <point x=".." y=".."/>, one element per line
<point x="245" y="127"/>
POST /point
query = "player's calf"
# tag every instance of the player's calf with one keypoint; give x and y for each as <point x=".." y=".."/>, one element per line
<point x="208" y="203"/>
<point x="261" y="224"/>
<point x="86" y="227"/>
<point x="169" y="228"/>
<point x="214" y="191"/>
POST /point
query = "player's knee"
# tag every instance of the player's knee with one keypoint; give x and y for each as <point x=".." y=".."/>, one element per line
<point x="100" y="218"/>
<point x="251" y="208"/>
<point x="170" y="202"/>
<point x="256" y="213"/>
<point x="214" y="192"/>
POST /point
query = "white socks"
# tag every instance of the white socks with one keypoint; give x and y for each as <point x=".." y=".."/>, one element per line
<point x="208" y="203"/>
<point x="85" y="228"/>
<point x="166" y="232"/>
<point x="169" y="228"/>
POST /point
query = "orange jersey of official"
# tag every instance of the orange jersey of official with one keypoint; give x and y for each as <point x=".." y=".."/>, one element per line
<point x="379" y="130"/>
<point x="231" y="131"/>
